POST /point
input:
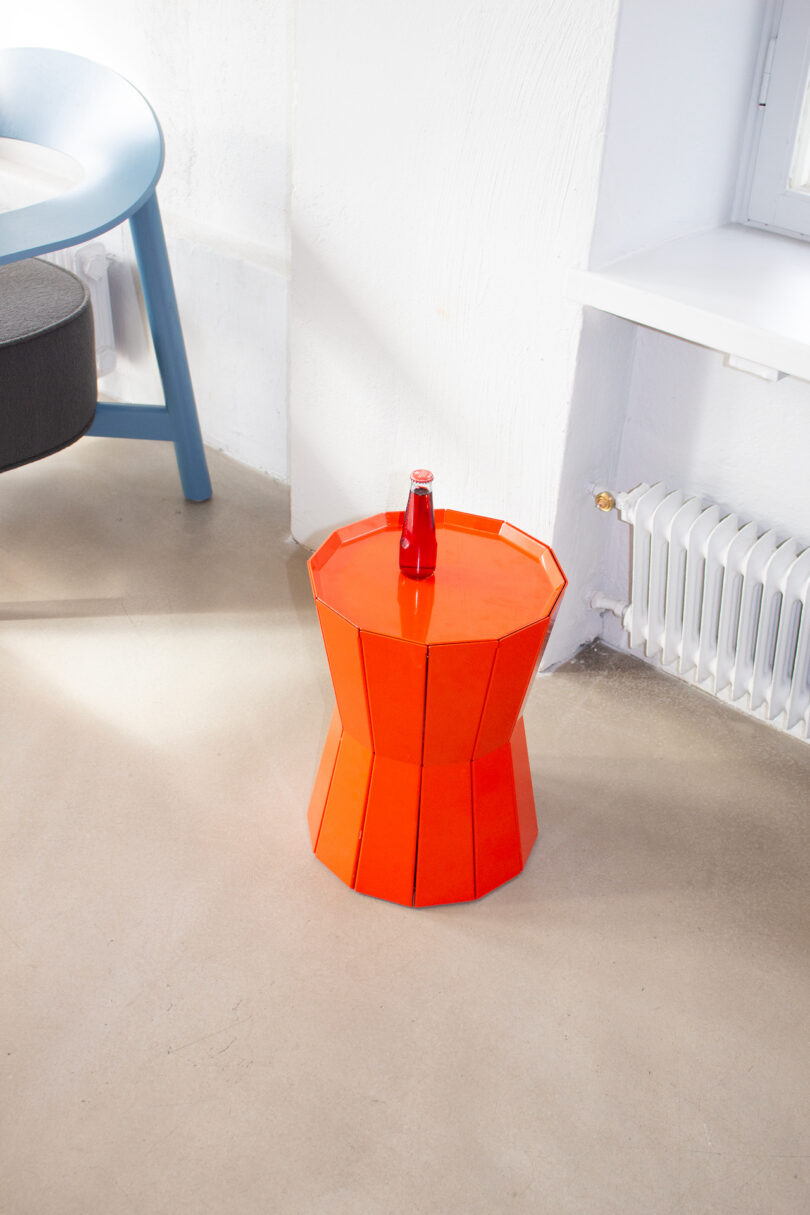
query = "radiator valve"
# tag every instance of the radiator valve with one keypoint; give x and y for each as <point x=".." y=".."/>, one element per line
<point x="604" y="500"/>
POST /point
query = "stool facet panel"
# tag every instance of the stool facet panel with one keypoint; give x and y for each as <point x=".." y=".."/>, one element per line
<point x="387" y="857"/>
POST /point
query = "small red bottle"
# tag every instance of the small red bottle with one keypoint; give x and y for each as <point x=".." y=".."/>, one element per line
<point x="417" y="546"/>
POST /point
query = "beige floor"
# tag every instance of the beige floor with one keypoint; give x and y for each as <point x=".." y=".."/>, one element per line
<point x="197" y="1017"/>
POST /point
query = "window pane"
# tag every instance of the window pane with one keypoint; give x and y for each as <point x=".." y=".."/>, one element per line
<point x="800" y="169"/>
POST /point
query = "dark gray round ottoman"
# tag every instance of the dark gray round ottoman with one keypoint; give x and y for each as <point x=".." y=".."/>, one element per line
<point x="47" y="361"/>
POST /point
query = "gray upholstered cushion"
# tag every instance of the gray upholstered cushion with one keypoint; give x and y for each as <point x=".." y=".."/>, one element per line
<point x="47" y="361"/>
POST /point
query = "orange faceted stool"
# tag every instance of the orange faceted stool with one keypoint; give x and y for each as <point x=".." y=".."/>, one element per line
<point x="424" y="793"/>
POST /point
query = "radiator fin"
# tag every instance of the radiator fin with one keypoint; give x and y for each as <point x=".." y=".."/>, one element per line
<point x="721" y="603"/>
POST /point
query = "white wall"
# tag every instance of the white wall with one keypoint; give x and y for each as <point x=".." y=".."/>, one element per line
<point x="680" y="86"/>
<point x="445" y="168"/>
<point x="218" y="77"/>
<point x="591" y="459"/>
<point x="678" y="102"/>
<point x="670" y="167"/>
<point x="446" y="163"/>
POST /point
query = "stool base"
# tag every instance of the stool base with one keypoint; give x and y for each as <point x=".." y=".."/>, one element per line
<point x="422" y="835"/>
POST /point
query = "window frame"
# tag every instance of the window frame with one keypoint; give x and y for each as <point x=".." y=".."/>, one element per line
<point x="781" y="81"/>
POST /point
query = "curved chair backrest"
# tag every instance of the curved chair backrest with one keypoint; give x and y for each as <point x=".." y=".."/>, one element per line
<point x="93" y="115"/>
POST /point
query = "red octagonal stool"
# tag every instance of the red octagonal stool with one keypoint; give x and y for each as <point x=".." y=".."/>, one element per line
<point x="424" y="793"/>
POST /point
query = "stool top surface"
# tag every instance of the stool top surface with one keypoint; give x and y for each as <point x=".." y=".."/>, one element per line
<point x="491" y="579"/>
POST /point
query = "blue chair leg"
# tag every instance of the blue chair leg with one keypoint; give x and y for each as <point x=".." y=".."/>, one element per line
<point x="167" y="335"/>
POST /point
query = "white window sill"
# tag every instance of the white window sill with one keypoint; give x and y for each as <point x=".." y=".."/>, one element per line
<point x="734" y="289"/>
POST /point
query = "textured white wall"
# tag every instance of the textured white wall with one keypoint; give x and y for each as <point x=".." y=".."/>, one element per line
<point x="218" y="78"/>
<point x="446" y="161"/>
<point x="445" y="169"/>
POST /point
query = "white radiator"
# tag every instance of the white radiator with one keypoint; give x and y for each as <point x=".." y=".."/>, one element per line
<point x="720" y="603"/>
<point x="90" y="262"/>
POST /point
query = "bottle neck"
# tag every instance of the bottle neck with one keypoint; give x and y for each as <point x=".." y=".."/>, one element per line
<point x="422" y="482"/>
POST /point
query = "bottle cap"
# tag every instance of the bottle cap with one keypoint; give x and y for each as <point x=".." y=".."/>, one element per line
<point x="422" y="476"/>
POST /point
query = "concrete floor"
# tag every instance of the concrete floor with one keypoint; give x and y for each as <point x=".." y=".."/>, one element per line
<point x="198" y="1017"/>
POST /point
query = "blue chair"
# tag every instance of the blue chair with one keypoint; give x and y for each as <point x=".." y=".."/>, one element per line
<point x="93" y="115"/>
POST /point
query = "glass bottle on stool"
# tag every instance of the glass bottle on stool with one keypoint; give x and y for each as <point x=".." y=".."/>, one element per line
<point x="417" y="545"/>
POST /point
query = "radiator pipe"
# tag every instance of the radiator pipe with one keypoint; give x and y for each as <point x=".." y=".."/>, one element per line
<point x="603" y="603"/>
